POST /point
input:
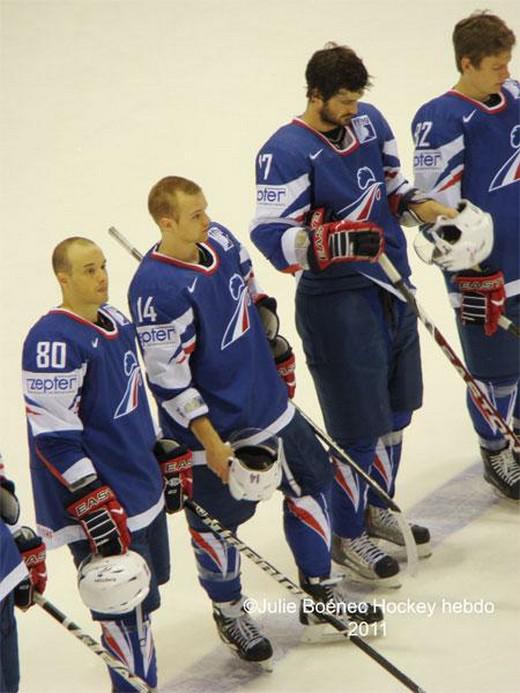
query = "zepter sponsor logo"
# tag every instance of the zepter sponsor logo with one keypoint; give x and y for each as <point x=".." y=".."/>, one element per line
<point x="427" y="159"/>
<point x="61" y="384"/>
<point x="274" y="195"/>
<point x="157" y="335"/>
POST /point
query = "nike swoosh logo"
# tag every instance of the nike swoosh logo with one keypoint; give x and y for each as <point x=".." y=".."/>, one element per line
<point x="95" y="342"/>
<point x="191" y="287"/>
<point x="117" y="511"/>
<point x="316" y="154"/>
<point x="467" y="118"/>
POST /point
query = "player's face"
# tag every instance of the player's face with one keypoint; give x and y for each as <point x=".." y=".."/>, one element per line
<point x="340" y="108"/>
<point x="87" y="281"/>
<point x="489" y="76"/>
<point x="193" y="223"/>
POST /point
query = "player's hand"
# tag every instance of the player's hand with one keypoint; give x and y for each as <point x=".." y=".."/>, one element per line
<point x="342" y="241"/>
<point x="429" y="210"/>
<point x="285" y="363"/>
<point x="33" y="552"/>
<point x="218" y="457"/>
<point x="483" y="299"/>
<point x="103" y="518"/>
<point x="9" y="505"/>
<point x="175" y="463"/>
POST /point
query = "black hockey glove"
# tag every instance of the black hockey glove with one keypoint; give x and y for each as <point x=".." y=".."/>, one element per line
<point x="175" y="463"/>
<point x="103" y="518"/>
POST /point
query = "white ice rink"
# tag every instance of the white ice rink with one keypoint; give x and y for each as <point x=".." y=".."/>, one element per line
<point x="100" y="99"/>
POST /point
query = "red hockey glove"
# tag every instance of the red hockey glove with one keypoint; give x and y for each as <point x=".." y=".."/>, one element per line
<point x="175" y="463"/>
<point x="483" y="299"/>
<point x="103" y="518"/>
<point x="285" y="363"/>
<point x="266" y="307"/>
<point x="33" y="553"/>
<point x="342" y="241"/>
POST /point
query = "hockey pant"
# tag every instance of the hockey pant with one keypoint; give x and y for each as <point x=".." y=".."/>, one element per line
<point x="349" y="493"/>
<point x="307" y="530"/>
<point x="9" y="663"/>
<point x="131" y="641"/>
<point x="504" y="397"/>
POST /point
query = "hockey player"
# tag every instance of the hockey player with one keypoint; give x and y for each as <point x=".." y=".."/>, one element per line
<point x="212" y="374"/>
<point x="467" y="145"/>
<point x="22" y="572"/>
<point x="96" y="482"/>
<point x="330" y="196"/>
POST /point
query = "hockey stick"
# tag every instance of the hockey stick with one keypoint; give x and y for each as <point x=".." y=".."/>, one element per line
<point x="409" y="541"/>
<point x="411" y="547"/>
<point x="488" y="411"/>
<point x="113" y="663"/>
<point x="508" y="325"/>
<point x="293" y="588"/>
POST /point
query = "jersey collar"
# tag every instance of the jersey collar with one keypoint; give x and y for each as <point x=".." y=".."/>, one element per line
<point x="194" y="266"/>
<point x="342" y="152"/>
<point x="478" y="104"/>
<point x="77" y="318"/>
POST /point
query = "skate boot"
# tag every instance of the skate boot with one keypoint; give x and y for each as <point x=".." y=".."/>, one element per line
<point x="241" y="634"/>
<point x="502" y="471"/>
<point x="331" y="601"/>
<point x="381" y="523"/>
<point x="365" y="561"/>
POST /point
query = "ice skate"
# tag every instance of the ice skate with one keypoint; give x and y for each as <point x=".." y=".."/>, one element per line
<point x="382" y="524"/>
<point x="241" y="634"/>
<point x="502" y="471"/>
<point x="365" y="561"/>
<point x="325" y="591"/>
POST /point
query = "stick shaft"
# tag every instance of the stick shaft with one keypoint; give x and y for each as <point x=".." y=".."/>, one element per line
<point x="114" y="664"/>
<point x="488" y="411"/>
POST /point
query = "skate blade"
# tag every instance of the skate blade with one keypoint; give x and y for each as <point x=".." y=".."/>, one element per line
<point x="267" y="665"/>
<point x="393" y="582"/>
<point x="398" y="551"/>
<point x="500" y="494"/>
<point x="316" y="633"/>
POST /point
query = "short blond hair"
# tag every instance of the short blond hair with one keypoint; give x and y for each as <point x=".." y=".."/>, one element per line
<point x="162" y="199"/>
<point x="60" y="254"/>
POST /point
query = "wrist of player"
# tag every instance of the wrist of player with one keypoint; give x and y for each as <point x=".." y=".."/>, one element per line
<point x="102" y="518"/>
<point x="175" y="462"/>
<point x="266" y="307"/>
<point x="218" y="459"/>
<point x="33" y="552"/>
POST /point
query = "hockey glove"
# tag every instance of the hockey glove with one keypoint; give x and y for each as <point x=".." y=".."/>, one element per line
<point x="342" y="241"/>
<point x="285" y="363"/>
<point x="9" y="505"/>
<point x="483" y="299"/>
<point x="175" y="463"/>
<point x="266" y="306"/>
<point x="97" y="509"/>
<point x="33" y="553"/>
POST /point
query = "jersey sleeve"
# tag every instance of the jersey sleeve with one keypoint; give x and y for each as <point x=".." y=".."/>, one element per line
<point x="53" y="376"/>
<point x="438" y="154"/>
<point x="283" y="194"/>
<point x="167" y="336"/>
<point x="400" y="192"/>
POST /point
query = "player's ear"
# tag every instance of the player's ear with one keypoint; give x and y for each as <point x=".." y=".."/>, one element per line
<point x="167" y="224"/>
<point x="465" y="64"/>
<point x="315" y="95"/>
<point x="63" y="278"/>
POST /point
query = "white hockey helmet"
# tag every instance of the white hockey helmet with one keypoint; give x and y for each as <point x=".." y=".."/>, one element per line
<point x="113" y="584"/>
<point x="256" y="471"/>
<point x="460" y="243"/>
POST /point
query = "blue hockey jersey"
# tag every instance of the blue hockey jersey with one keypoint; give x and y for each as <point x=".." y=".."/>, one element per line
<point x="203" y="343"/>
<point x="465" y="149"/>
<point x="12" y="566"/>
<point x="87" y="413"/>
<point x="298" y="169"/>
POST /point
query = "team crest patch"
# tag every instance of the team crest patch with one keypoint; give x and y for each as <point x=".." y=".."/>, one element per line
<point x="130" y="399"/>
<point x="239" y="323"/>
<point x="365" y="131"/>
